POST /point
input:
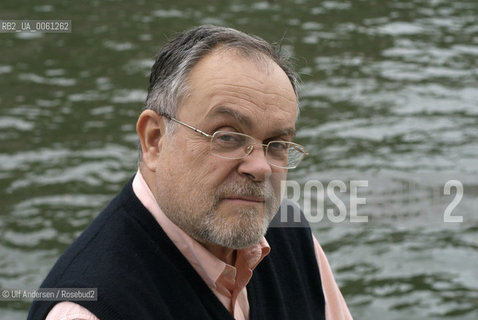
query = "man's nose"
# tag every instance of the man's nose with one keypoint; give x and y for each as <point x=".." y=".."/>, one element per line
<point x="255" y="164"/>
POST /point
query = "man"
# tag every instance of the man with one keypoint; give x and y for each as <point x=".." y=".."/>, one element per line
<point x="185" y="238"/>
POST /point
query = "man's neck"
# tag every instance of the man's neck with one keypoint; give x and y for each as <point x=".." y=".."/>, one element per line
<point x="226" y="255"/>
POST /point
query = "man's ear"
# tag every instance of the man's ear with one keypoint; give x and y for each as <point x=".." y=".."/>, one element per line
<point x="150" y="128"/>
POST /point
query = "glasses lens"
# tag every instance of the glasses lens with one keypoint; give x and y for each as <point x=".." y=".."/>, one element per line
<point x="284" y="154"/>
<point x="235" y="145"/>
<point x="231" y="145"/>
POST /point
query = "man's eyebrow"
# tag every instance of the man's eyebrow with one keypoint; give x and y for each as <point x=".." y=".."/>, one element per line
<point x="289" y="132"/>
<point x="246" y="121"/>
<point x="239" y="117"/>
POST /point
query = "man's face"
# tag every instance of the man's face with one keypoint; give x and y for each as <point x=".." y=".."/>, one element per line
<point x="222" y="201"/>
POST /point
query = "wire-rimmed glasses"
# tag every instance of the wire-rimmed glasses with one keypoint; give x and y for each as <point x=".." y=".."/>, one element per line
<point x="236" y="145"/>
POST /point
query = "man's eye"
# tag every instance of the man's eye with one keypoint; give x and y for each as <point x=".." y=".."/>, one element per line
<point x="229" y="139"/>
<point x="279" y="146"/>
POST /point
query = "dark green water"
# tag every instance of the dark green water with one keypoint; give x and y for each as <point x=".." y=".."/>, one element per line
<point x="389" y="95"/>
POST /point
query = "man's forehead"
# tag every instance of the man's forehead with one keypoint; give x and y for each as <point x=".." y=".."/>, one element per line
<point x="221" y="57"/>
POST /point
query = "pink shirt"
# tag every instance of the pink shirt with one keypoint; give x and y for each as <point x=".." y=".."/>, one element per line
<point x="227" y="282"/>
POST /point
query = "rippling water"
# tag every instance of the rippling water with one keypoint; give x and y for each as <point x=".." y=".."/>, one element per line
<point x="389" y="95"/>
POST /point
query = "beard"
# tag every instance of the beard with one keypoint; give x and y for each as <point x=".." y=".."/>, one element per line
<point x="232" y="226"/>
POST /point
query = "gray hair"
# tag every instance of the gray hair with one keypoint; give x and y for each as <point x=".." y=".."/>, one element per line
<point x="168" y="83"/>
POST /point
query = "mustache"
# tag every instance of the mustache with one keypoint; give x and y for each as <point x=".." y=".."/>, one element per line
<point x="245" y="189"/>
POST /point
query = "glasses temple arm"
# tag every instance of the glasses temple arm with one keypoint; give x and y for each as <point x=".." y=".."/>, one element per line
<point x="186" y="125"/>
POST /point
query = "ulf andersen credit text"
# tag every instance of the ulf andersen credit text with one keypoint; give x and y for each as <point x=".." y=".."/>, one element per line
<point x="50" y="294"/>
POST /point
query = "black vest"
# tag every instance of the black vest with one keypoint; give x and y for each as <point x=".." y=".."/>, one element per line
<point x="140" y="274"/>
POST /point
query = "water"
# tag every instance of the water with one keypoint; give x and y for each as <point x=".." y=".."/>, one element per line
<point x="389" y="95"/>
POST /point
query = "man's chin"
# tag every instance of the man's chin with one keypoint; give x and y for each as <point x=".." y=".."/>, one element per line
<point x="241" y="243"/>
<point x="243" y="230"/>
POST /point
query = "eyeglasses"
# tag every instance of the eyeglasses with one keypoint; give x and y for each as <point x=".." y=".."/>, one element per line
<point x="235" y="145"/>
